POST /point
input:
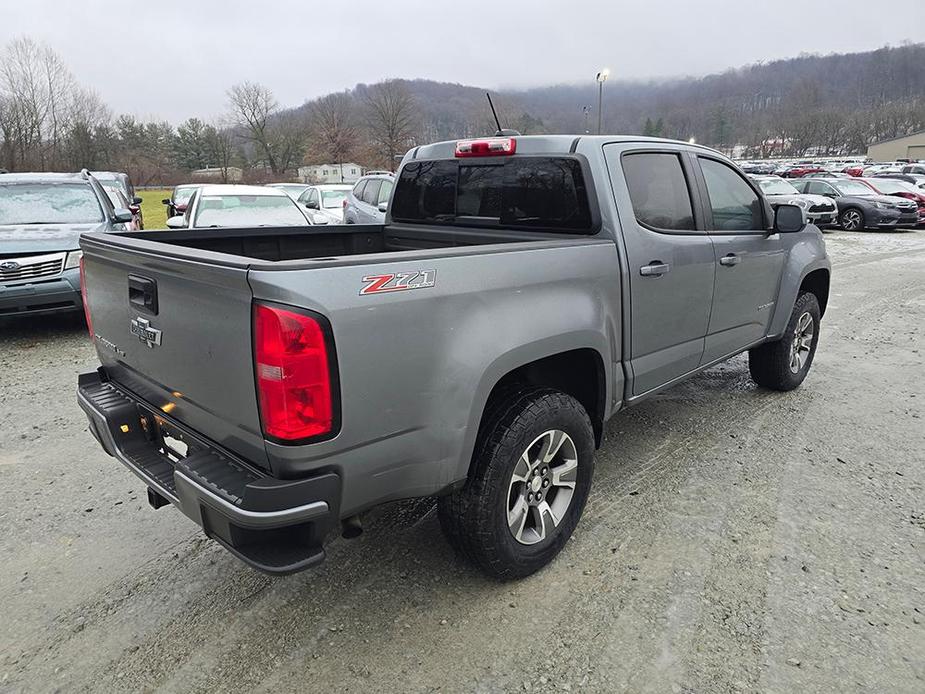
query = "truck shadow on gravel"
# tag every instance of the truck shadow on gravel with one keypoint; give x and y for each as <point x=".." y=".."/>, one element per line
<point x="48" y="327"/>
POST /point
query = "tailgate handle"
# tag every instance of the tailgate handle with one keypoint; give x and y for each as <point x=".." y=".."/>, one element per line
<point x="142" y="294"/>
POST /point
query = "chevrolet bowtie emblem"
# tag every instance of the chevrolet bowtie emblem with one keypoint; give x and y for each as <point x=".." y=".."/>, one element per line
<point x="141" y="328"/>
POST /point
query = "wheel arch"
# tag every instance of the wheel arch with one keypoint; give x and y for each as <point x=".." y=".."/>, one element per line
<point x="580" y="372"/>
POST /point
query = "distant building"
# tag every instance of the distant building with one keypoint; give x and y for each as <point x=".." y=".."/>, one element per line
<point x="331" y="173"/>
<point x="908" y="147"/>
<point x="218" y="174"/>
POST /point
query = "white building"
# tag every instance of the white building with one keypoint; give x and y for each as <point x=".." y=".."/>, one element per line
<point x="331" y="173"/>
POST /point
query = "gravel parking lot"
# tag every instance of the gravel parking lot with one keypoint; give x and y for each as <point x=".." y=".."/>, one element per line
<point x="735" y="540"/>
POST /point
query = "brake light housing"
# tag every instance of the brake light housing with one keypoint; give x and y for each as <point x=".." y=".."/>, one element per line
<point x="296" y="375"/>
<point x="487" y="147"/>
<point x="83" y="297"/>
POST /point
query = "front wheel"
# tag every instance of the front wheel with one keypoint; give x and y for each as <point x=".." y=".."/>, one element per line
<point x="852" y="220"/>
<point x="784" y="363"/>
<point x="532" y="470"/>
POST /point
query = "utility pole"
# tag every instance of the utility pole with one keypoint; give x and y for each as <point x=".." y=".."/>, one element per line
<point x="601" y="78"/>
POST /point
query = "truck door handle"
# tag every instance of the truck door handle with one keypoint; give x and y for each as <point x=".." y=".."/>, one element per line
<point x="729" y="260"/>
<point x="654" y="269"/>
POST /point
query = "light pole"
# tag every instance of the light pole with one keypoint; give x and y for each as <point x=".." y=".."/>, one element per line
<point x="587" y="111"/>
<point x="601" y="78"/>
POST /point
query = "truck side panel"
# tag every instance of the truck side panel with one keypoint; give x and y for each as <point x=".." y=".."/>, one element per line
<point x="417" y="366"/>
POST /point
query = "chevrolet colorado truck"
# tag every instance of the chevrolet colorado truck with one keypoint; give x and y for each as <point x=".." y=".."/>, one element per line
<point x="275" y="383"/>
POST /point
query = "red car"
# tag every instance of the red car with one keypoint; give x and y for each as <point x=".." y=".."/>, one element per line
<point x="801" y="170"/>
<point x="890" y="186"/>
<point x="854" y="169"/>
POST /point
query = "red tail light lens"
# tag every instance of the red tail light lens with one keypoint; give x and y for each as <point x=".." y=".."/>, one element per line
<point x="491" y="147"/>
<point x="293" y="374"/>
<point x="83" y="296"/>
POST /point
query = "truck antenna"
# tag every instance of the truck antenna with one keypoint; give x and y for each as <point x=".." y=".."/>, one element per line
<point x="501" y="132"/>
<point x="493" y="112"/>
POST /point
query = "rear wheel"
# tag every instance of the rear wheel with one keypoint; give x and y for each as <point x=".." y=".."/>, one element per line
<point x="784" y="363"/>
<point x="532" y="471"/>
<point x="852" y="219"/>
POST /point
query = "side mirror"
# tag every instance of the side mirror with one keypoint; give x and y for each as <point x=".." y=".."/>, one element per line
<point x="383" y="207"/>
<point x="178" y="222"/>
<point x="121" y="215"/>
<point x="136" y="200"/>
<point x="789" y="219"/>
<point x="165" y="201"/>
<point x="312" y="204"/>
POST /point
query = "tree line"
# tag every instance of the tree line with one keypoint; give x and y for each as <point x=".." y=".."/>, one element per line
<point x="834" y="104"/>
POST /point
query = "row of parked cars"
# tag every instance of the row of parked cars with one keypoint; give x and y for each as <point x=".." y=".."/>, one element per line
<point x="854" y="204"/>
<point x="280" y="204"/>
<point x="43" y="214"/>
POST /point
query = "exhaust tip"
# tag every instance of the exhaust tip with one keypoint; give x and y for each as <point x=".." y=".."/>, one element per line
<point x="351" y="527"/>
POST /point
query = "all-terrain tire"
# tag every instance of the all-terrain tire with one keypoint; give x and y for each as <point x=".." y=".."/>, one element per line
<point x="774" y="365"/>
<point x="475" y="517"/>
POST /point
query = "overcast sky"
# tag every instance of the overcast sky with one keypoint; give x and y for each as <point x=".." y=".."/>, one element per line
<point x="175" y="59"/>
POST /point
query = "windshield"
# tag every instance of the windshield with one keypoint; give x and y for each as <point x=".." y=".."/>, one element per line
<point x="852" y="188"/>
<point x="49" y="203"/>
<point x="182" y="195"/>
<point x="777" y="186"/>
<point x="248" y="210"/>
<point x="333" y="198"/>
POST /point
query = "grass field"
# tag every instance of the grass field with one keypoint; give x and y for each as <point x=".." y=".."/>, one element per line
<point x="152" y="209"/>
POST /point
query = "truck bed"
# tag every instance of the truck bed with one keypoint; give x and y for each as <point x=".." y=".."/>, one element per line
<point x="300" y="243"/>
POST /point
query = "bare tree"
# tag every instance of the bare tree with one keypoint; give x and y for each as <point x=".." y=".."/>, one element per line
<point x="278" y="137"/>
<point x="391" y="119"/>
<point x="332" y="127"/>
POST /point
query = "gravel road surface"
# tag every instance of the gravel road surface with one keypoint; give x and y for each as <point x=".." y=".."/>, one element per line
<point x="735" y="540"/>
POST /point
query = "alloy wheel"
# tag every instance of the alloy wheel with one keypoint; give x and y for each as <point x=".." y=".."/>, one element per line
<point x="542" y="487"/>
<point x="802" y="342"/>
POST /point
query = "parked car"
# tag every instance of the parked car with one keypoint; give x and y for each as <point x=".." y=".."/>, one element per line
<point x="117" y="198"/>
<point x="859" y="207"/>
<point x="179" y="198"/>
<point x="917" y="180"/>
<point x="293" y="190"/>
<point x="232" y="205"/>
<point x="109" y="178"/>
<point x="901" y="189"/>
<point x="819" y="209"/>
<point x="913" y="169"/>
<point x="325" y="203"/>
<point x="368" y="200"/>
<point x="854" y="169"/>
<point x="801" y="170"/>
<point x="274" y="384"/>
<point x="41" y="218"/>
<point x="827" y="174"/>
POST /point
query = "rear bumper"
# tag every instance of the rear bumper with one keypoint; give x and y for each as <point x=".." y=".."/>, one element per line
<point x="50" y="296"/>
<point x="276" y="526"/>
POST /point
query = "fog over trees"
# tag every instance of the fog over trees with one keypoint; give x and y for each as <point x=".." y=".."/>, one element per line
<point x="809" y="105"/>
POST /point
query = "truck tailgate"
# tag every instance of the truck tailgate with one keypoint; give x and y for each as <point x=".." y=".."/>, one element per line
<point x="177" y="333"/>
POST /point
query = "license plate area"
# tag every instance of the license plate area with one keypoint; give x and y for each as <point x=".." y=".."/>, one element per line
<point x="170" y="440"/>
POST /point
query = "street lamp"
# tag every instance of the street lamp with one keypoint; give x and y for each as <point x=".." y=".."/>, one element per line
<point x="601" y="78"/>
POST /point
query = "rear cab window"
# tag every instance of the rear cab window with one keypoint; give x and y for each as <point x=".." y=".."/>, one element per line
<point x="658" y="190"/>
<point x="537" y="193"/>
<point x="371" y="192"/>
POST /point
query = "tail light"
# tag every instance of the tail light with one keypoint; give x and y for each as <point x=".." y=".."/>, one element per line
<point x="293" y="371"/>
<point x="83" y="296"/>
<point x="491" y="147"/>
<point x="343" y="203"/>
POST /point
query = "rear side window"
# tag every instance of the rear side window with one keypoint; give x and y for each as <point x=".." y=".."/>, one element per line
<point x="736" y="207"/>
<point x="358" y="190"/>
<point x="658" y="190"/>
<point x="385" y="190"/>
<point x="540" y="193"/>
<point x="371" y="192"/>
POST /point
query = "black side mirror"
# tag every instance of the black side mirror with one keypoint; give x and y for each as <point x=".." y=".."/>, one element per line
<point x="789" y="219"/>
<point x="312" y="204"/>
<point x="136" y="200"/>
<point x="165" y="201"/>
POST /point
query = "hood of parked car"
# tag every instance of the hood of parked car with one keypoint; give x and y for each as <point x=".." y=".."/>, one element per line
<point x="27" y="239"/>
<point x="871" y="199"/>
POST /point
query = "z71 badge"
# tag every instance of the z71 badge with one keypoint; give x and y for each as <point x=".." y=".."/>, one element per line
<point x="398" y="282"/>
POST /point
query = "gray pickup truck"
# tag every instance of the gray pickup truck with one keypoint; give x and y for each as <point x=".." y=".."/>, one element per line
<point x="275" y="383"/>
